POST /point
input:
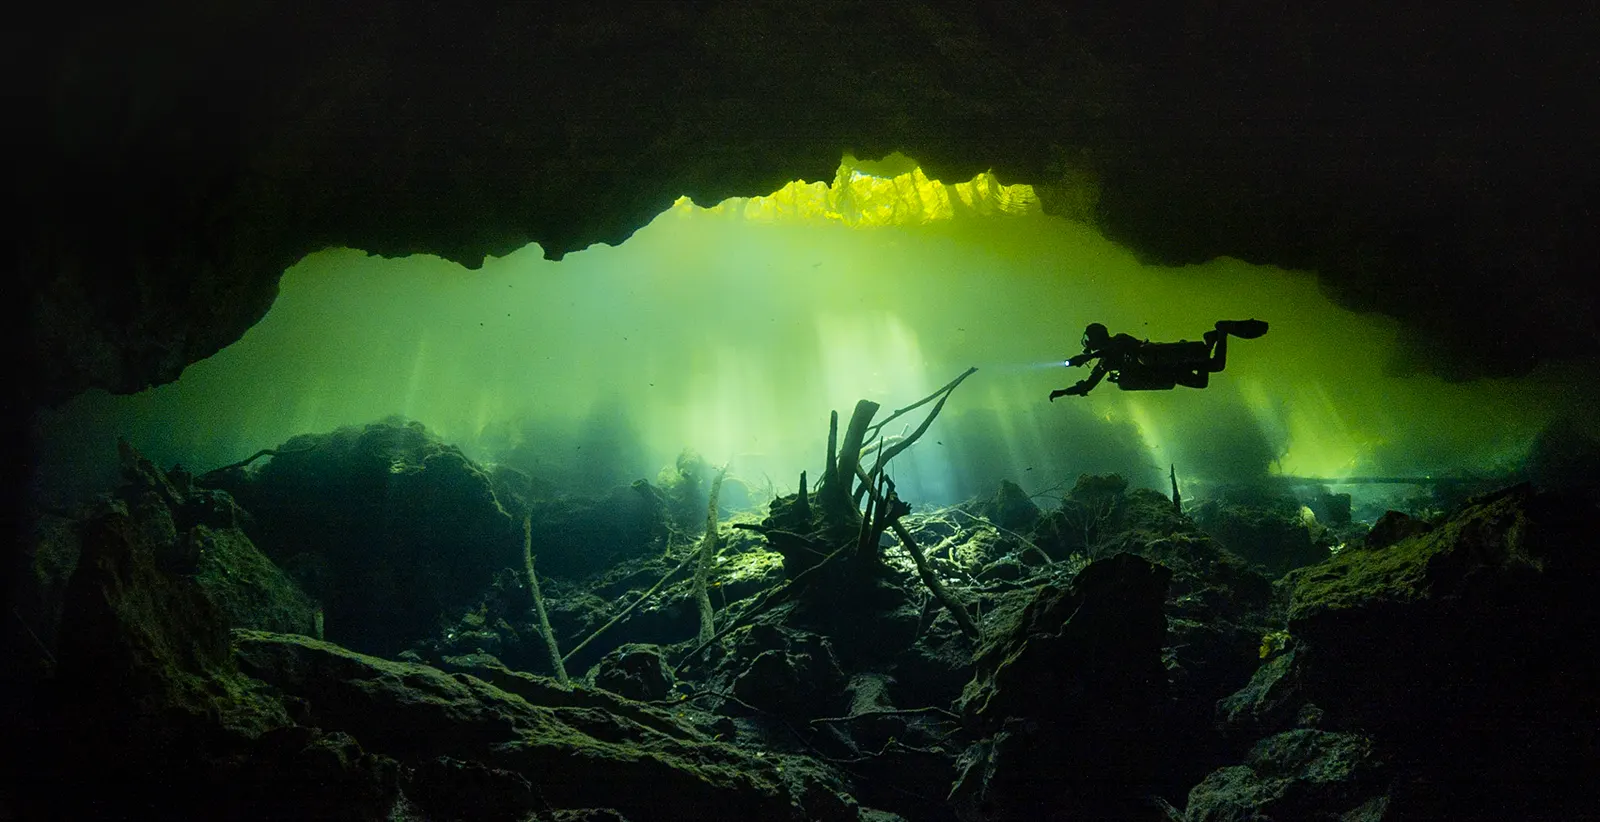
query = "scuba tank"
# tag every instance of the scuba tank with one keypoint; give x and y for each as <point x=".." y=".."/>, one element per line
<point x="1183" y="354"/>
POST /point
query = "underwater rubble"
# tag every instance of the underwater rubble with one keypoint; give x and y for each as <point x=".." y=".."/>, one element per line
<point x="345" y="627"/>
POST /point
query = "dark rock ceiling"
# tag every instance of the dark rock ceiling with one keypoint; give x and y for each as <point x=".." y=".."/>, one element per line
<point x="1432" y="161"/>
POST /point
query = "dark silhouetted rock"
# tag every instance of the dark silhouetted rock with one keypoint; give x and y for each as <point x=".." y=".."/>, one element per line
<point x="1464" y="653"/>
<point x="386" y="526"/>
<point x="634" y="671"/>
<point x="1393" y="527"/>
<point x="1009" y="508"/>
<point x="788" y="672"/>
<point x="1265" y="528"/>
<point x="1088" y="521"/>
<point x="1070" y="698"/>
<point x="1334" y="509"/>
<point x="147" y="709"/>
<point x="1305" y="775"/>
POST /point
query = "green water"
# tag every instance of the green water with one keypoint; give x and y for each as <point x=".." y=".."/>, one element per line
<point x="736" y="338"/>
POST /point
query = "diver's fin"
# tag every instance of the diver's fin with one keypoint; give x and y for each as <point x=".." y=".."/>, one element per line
<point x="1243" y="329"/>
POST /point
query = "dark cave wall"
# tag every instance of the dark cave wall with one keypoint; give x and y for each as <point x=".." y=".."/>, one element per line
<point x="1429" y="164"/>
<point x="1424" y="158"/>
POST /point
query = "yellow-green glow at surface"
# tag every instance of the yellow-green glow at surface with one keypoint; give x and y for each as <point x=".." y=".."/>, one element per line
<point x="734" y="331"/>
<point x="891" y="192"/>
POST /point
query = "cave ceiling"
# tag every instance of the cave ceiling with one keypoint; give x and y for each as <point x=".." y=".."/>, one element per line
<point x="1429" y="161"/>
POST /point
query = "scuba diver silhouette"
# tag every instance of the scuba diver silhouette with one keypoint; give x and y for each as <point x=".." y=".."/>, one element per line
<point x="1141" y="365"/>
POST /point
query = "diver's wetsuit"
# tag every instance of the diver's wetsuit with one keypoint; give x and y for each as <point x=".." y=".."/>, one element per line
<point x="1139" y="365"/>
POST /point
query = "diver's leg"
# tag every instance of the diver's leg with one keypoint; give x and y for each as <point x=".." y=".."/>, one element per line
<point x="1192" y="379"/>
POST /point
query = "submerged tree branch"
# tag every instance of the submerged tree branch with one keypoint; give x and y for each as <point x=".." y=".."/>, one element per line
<point x="538" y="603"/>
<point x="693" y="555"/>
<point x="903" y="444"/>
<point x="772" y="597"/>
<point x="929" y="578"/>
<point x="948" y="387"/>
<point x="709" y="544"/>
<point x="265" y="452"/>
<point x="888" y="712"/>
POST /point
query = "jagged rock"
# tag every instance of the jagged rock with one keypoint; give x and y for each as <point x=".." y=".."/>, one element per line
<point x="1070" y="696"/>
<point x="573" y="757"/>
<point x="583" y="536"/>
<point x="1217" y="609"/>
<point x="146" y="646"/>
<point x="1009" y="508"/>
<point x="196" y="532"/>
<point x="147" y="708"/>
<point x="635" y="671"/>
<point x="451" y="788"/>
<point x="383" y="524"/>
<point x="1391" y="528"/>
<point x="1334" y="509"/>
<point x="1266" y="528"/>
<point x="297" y="772"/>
<point x="1309" y="775"/>
<point x="1465" y="653"/>
<point x="1271" y="701"/>
<point x="247" y="587"/>
<point x="1088" y="521"/>
<point x="786" y="671"/>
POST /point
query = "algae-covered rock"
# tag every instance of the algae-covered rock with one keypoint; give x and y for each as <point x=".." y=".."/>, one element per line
<point x="1309" y="775"/>
<point x="635" y="671"/>
<point x="146" y="709"/>
<point x="573" y="757"/>
<point x="386" y="526"/>
<point x="786" y="671"/>
<point x="1070" y="694"/>
<point x="1464" y="652"/>
<point x="248" y="588"/>
<point x="1391" y="528"/>
<point x="1265" y="527"/>
<point x="1088" y="521"/>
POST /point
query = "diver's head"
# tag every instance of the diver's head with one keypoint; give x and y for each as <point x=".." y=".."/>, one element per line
<point x="1095" y="336"/>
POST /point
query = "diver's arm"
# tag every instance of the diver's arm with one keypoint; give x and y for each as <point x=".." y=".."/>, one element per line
<point x="1095" y="376"/>
<point x="1082" y="387"/>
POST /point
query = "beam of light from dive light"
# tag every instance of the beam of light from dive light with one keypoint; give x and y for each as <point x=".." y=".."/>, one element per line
<point x="1023" y="366"/>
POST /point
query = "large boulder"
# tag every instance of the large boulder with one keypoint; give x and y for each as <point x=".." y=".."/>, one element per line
<point x="1069" y="696"/>
<point x="1009" y="507"/>
<point x="144" y="707"/>
<point x="1304" y="774"/>
<point x="1271" y="530"/>
<point x="635" y="671"/>
<point x="1464" y="652"/>
<point x="384" y="524"/>
<point x="1089" y="520"/>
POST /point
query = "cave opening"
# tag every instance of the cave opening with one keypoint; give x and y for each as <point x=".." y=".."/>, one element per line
<point x="731" y="331"/>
